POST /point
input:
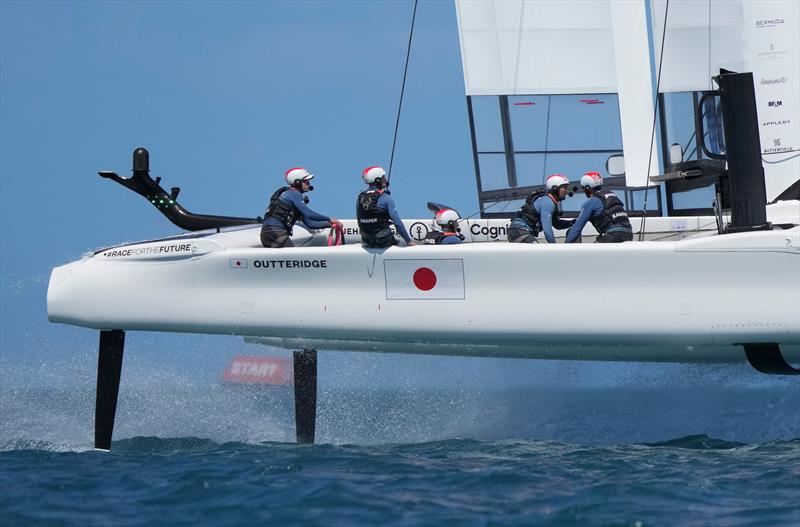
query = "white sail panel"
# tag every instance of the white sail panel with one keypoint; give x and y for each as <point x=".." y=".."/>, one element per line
<point x="701" y="37"/>
<point x="636" y="101"/>
<point x="772" y="51"/>
<point x="536" y="47"/>
<point x="762" y="37"/>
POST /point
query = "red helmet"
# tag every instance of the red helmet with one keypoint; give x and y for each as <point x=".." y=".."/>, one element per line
<point x="446" y="217"/>
<point x="555" y="181"/>
<point x="591" y="180"/>
<point x="372" y="174"/>
<point x="297" y="174"/>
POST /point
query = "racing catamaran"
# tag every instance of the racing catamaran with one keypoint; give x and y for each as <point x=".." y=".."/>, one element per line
<point x="724" y="295"/>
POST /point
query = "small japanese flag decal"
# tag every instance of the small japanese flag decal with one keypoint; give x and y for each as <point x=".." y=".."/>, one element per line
<point x="424" y="279"/>
<point x="238" y="263"/>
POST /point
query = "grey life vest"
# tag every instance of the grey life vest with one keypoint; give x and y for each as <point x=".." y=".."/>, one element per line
<point x="613" y="214"/>
<point x="284" y="212"/>
<point x="373" y="222"/>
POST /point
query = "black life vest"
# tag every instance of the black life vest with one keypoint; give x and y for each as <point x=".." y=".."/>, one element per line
<point x="284" y="212"/>
<point x="372" y="221"/>
<point x="613" y="214"/>
<point x="436" y="237"/>
<point x="531" y="215"/>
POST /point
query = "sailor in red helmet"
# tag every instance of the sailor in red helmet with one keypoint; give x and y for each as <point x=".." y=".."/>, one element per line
<point x="605" y="212"/>
<point x="447" y="220"/>
<point x="540" y="213"/>
<point x="288" y="206"/>
<point x="376" y="212"/>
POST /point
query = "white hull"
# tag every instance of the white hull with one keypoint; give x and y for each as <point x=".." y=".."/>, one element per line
<point x="695" y="300"/>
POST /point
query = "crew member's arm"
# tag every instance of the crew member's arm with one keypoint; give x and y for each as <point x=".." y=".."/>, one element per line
<point x="311" y="219"/>
<point x="546" y="213"/>
<point x="590" y="207"/>
<point x="387" y="202"/>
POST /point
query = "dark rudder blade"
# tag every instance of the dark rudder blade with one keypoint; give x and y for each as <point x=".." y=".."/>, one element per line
<point x="305" y="394"/>
<point x="109" y="368"/>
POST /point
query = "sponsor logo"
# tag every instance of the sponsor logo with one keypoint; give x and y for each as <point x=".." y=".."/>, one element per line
<point x="775" y="104"/>
<point x="145" y="251"/>
<point x="772" y="53"/>
<point x="290" y="264"/>
<point x="353" y="231"/>
<point x="769" y="22"/>
<point x="418" y="231"/>
<point x="492" y="232"/>
<point x="779" y="80"/>
<point x="776" y="123"/>
<point x="259" y="370"/>
<point x="777" y="147"/>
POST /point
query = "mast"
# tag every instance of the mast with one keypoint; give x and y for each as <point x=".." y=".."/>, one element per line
<point x="745" y="172"/>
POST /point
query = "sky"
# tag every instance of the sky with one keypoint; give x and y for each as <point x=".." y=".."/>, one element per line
<point x="226" y="97"/>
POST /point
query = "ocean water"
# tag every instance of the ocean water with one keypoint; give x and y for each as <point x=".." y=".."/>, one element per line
<point x="188" y="481"/>
<point x="510" y="443"/>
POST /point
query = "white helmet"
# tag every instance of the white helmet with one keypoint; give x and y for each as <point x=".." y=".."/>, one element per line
<point x="371" y="174"/>
<point x="446" y="217"/>
<point x="591" y="180"/>
<point x="555" y="181"/>
<point x="297" y="174"/>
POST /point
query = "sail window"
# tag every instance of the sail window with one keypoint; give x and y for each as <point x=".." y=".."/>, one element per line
<point x="494" y="174"/>
<point x="488" y="126"/>
<point x="518" y="140"/>
<point x="681" y="148"/>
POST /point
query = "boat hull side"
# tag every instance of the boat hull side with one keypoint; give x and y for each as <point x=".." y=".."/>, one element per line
<point x="690" y="301"/>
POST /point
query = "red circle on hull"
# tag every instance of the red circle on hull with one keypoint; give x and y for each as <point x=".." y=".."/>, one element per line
<point x="424" y="279"/>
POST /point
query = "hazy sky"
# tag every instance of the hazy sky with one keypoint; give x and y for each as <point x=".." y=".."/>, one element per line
<point x="226" y="97"/>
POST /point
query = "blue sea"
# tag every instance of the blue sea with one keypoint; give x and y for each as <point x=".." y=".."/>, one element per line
<point x="446" y="442"/>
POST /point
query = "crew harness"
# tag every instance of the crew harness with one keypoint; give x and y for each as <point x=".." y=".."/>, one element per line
<point x="373" y="222"/>
<point x="282" y="211"/>
<point x="613" y="218"/>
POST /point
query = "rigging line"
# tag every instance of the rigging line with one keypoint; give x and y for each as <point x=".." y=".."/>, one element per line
<point x="694" y="133"/>
<point x="655" y="113"/>
<point x="781" y="160"/>
<point x="709" y="74"/>
<point x="546" y="138"/>
<point x="484" y="210"/>
<point x="402" y="91"/>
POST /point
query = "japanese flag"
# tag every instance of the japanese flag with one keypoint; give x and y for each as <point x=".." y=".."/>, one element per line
<point x="424" y="279"/>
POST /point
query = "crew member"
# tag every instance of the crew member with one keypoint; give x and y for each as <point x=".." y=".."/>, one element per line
<point x="287" y="206"/>
<point x="376" y="212"/>
<point x="605" y="212"/>
<point x="540" y="213"/>
<point x="447" y="220"/>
